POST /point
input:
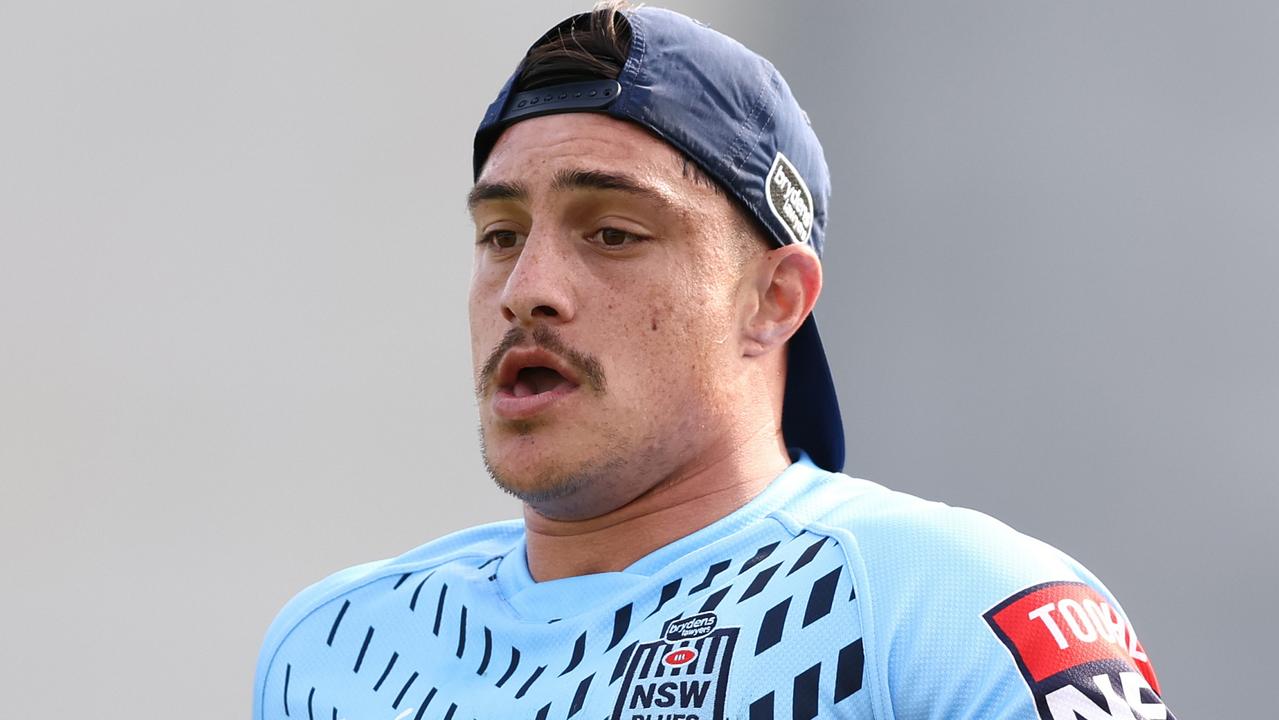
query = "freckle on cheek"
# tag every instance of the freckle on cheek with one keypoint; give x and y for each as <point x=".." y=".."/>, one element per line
<point x="654" y="323"/>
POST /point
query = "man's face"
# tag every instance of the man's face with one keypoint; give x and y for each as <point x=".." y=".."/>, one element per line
<point x="604" y="313"/>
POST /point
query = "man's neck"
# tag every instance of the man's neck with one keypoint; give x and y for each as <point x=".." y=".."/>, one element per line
<point x="673" y="508"/>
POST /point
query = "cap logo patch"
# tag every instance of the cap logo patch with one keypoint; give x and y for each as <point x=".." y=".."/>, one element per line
<point x="789" y="199"/>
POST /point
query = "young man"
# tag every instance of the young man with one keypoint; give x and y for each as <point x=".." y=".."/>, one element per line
<point x="650" y="207"/>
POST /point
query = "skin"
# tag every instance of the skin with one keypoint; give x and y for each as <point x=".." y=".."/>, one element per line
<point x="656" y="296"/>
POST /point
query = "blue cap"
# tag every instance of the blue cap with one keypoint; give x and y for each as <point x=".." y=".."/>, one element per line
<point x="732" y="113"/>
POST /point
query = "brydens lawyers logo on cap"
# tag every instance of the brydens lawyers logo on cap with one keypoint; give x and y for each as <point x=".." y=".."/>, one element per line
<point x="682" y="674"/>
<point x="1078" y="654"/>
<point x="789" y="199"/>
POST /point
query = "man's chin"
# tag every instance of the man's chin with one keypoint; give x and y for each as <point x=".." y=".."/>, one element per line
<point x="555" y="487"/>
<point x="534" y="484"/>
<point x="547" y="465"/>
<point x="537" y="492"/>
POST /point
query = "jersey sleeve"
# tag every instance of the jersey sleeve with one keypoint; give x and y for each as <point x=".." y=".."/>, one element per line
<point x="293" y="612"/>
<point x="272" y="674"/>
<point x="971" y="619"/>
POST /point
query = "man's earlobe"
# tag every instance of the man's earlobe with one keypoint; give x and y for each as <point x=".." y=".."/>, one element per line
<point x="787" y="284"/>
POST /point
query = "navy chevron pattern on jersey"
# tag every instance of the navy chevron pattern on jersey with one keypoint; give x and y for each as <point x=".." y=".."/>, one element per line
<point x="777" y="611"/>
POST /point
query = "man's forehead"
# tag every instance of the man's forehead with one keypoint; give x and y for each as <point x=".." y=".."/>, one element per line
<point x="593" y="139"/>
<point x="583" y="151"/>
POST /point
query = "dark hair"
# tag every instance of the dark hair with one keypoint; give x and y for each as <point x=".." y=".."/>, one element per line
<point x="590" y="46"/>
<point x="594" y="46"/>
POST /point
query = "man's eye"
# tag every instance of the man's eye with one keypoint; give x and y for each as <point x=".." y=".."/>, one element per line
<point x="612" y="237"/>
<point x="501" y="239"/>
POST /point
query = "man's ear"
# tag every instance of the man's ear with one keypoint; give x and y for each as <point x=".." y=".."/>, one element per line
<point x="783" y="284"/>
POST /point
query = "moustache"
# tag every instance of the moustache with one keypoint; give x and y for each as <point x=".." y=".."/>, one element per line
<point x="588" y="369"/>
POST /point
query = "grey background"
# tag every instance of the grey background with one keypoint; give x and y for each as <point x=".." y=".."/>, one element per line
<point x="233" y="347"/>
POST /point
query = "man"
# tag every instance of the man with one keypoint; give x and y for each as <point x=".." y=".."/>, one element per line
<point x="650" y="207"/>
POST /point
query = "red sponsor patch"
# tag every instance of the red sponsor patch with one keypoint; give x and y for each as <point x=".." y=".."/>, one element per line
<point x="1057" y="626"/>
<point x="677" y="658"/>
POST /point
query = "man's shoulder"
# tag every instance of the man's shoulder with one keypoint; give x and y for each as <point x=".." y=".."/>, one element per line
<point x="489" y="540"/>
<point x="889" y="531"/>
<point x="482" y="541"/>
<point x="997" y="619"/>
<point x="921" y="563"/>
<point x="486" y="540"/>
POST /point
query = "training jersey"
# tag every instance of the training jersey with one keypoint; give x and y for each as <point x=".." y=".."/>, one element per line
<point x="824" y="597"/>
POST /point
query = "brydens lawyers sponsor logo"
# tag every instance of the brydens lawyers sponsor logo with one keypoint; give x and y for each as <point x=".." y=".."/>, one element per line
<point x="698" y="625"/>
<point x="789" y="199"/>
<point x="682" y="675"/>
<point x="1078" y="654"/>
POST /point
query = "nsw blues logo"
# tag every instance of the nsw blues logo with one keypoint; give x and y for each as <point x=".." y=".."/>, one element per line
<point x="683" y="675"/>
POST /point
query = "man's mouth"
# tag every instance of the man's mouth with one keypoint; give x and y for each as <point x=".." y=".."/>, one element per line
<point x="529" y="381"/>
<point x="535" y="380"/>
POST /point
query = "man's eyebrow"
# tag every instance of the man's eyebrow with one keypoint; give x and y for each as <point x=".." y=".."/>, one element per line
<point x="494" y="191"/>
<point x="599" y="180"/>
<point x="567" y="180"/>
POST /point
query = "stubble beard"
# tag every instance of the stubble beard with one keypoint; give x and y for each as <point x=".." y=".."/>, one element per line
<point x="554" y="484"/>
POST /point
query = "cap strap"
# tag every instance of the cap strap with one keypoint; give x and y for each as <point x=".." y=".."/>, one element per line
<point x="569" y="97"/>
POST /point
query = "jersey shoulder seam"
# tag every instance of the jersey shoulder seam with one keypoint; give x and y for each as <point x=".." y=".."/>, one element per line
<point x="847" y="541"/>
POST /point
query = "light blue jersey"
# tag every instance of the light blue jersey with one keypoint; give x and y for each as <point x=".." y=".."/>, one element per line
<point x="824" y="597"/>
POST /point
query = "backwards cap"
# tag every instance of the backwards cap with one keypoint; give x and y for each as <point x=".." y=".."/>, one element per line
<point x="732" y="113"/>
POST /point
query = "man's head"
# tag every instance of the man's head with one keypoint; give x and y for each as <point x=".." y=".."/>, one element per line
<point x="630" y="309"/>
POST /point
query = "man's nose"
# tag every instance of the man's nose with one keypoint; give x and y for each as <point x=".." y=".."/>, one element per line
<point x="539" y="288"/>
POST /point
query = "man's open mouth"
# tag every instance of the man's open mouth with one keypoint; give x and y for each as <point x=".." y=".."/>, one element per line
<point x="536" y="379"/>
<point x="530" y="380"/>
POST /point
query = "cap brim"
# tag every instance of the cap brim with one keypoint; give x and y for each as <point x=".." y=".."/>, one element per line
<point x="810" y="413"/>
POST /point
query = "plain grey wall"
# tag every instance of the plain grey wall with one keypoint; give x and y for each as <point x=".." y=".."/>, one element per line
<point x="233" y="350"/>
